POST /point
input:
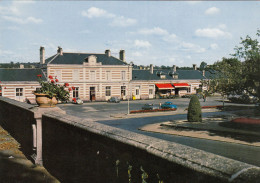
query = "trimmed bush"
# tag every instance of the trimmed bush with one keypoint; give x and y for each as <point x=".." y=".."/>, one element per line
<point x="194" y="110"/>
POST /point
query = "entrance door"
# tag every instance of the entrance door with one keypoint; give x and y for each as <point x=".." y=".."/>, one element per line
<point x="151" y="88"/>
<point x="92" y="94"/>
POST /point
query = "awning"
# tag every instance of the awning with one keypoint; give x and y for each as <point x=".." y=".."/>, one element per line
<point x="164" y="86"/>
<point x="181" y="85"/>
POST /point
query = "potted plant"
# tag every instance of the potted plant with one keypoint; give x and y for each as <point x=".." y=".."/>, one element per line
<point x="51" y="92"/>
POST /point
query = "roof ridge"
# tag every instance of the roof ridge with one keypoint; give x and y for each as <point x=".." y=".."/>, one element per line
<point x="85" y="53"/>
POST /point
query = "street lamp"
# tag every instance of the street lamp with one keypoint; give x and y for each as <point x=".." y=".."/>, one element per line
<point x="128" y="112"/>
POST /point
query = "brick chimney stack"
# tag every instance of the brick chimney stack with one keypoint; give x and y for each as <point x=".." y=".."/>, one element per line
<point x="151" y="68"/>
<point x="194" y="66"/>
<point x="60" y="51"/>
<point x="122" y="55"/>
<point x="108" y="53"/>
<point x="42" y="55"/>
<point x="174" y="68"/>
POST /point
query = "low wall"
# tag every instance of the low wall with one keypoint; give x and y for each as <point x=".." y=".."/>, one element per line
<point x="17" y="118"/>
<point x="77" y="150"/>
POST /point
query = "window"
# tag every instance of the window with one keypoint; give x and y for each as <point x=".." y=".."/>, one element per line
<point x="108" y="90"/>
<point x="75" y="75"/>
<point x="151" y="87"/>
<point x="75" y="92"/>
<point x="92" y="75"/>
<point x="108" y="75"/>
<point x="123" y="75"/>
<point x="189" y="89"/>
<point x="19" y="92"/>
<point x="137" y="90"/>
<point x="123" y="89"/>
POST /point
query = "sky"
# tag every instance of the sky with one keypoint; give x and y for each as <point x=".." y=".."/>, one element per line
<point x="166" y="33"/>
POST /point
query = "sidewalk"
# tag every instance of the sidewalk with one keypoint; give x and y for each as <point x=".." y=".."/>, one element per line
<point x="15" y="167"/>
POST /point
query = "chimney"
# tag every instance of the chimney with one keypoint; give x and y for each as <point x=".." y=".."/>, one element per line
<point x="174" y="68"/>
<point x="122" y="55"/>
<point x="21" y="66"/>
<point x="151" y="68"/>
<point x="203" y="73"/>
<point x="194" y="66"/>
<point x="60" y="51"/>
<point x="42" y="55"/>
<point x="108" y="53"/>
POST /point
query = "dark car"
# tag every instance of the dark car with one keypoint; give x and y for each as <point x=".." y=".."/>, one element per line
<point x="168" y="105"/>
<point x="114" y="100"/>
<point x="149" y="107"/>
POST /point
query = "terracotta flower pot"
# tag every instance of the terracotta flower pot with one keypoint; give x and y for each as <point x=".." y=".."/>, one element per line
<point x="44" y="101"/>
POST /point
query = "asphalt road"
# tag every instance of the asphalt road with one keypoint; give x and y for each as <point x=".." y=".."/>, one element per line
<point x="102" y="111"/>
<point x="244" y="153"/>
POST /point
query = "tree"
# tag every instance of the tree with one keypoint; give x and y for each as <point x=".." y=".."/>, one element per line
<point x="228" y="77"/>
<point x="203" y="65"/>
<point x="249" y="54"/>
<point x="194" y="110"/>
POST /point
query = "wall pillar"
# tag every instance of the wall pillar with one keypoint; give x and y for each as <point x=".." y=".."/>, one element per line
<point x="37" y="132"/>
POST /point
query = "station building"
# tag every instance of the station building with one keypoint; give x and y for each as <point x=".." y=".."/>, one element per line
<point x="100" y="76"/>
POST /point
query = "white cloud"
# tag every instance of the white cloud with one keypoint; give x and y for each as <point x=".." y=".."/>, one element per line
<point x="153" y="31"/>
<point x="212" y="33"/>
<point x="9" y="10"/>
<point x="123" y="22"/>
<point x="22" y="21"/>
<point x="94" y="12"/>
<point x="119" y="21"/>
<point x="142" y="44"/>
<point x="214" y="46"/>
<point x="212" y="11"/>
<point x="190" y="47"/>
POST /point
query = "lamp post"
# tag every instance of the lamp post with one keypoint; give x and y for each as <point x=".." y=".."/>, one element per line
<point x="128" y="112"/>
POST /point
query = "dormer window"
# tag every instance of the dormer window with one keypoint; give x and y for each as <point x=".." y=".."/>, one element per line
<point x="162" y="76"/>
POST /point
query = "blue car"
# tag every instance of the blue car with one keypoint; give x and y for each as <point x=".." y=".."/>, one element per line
<point x="168" y="105"/>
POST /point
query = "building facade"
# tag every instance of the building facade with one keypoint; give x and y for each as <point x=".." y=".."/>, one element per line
<point x="98" y="77"/>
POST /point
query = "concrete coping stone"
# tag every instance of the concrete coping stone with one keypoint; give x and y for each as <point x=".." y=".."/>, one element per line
<point x="198" y="160"/>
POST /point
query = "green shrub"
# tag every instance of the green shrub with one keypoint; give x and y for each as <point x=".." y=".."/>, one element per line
<point x="194" y="110"/>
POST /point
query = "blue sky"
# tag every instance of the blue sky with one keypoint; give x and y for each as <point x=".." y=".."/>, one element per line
<point x="151" y="32"/>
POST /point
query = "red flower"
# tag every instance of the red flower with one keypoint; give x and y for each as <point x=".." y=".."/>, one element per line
<point x="66" y="84"/>
<point x="39" y="75"/>
<point x="50" y="77"/>
<point x="70" y="89"/>
<point x="52" y="81"/>
<point x="73" y="88"/>
<point x="56" y="80"/>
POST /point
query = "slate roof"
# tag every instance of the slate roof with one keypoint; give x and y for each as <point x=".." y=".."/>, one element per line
<point x="20" y="74"/>
<point x="79" y="58"/>
<point x="211" y="74"/>
<point x="182" y="74"/>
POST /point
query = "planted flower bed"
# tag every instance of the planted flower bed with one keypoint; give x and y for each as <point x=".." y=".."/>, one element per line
<point x="250" y="121"/>
<point x="154" y="110"/>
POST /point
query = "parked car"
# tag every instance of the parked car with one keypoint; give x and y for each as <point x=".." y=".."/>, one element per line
<point x="168" y="105"/>
<point x="149" y="107"/>
<point x="77" y="101"/>
<point x="114" y="100"/>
